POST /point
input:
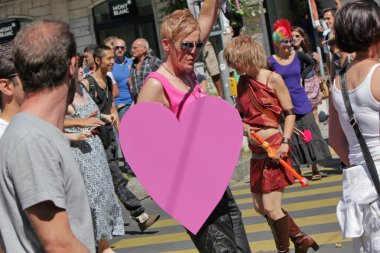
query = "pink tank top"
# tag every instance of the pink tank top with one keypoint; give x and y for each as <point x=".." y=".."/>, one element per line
<point x="178" y="99"/>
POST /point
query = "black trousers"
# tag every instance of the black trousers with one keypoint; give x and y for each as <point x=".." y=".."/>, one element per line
<point x="129" y="200"/>
<point x="223" y="231"/>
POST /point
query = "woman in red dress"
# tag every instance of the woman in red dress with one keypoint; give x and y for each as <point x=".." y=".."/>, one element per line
<point x="262" y="97"/>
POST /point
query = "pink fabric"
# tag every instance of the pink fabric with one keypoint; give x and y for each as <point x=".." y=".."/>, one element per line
<point x="178" y="99"/>
<point x="313" y="91"/>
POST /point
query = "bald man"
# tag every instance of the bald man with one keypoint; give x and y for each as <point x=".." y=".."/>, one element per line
<point x="143" y="64"/>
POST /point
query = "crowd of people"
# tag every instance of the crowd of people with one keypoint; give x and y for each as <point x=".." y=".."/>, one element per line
<point x="61" y="180"/>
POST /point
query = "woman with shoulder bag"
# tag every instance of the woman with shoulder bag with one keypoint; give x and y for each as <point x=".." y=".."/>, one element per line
<point x="357" y="29"/>
<point x="259" y="87"/>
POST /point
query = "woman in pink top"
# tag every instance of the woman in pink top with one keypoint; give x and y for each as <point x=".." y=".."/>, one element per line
<point x="174" y="85"/>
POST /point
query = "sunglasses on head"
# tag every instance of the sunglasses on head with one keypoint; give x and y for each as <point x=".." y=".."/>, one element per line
<point x="119" y="47"/>
<point x="187" y="47"/>
<point x="12" y="75"/>
<point x="331" y="43"/>
<point x="291" y="41"/>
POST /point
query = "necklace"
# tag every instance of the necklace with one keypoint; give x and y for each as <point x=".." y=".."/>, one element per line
<point x="182" y="82"/>
<point x="286" y="60"/>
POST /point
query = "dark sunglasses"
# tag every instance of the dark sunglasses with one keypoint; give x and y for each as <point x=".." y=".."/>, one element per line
<point x="187" y="47"/>
<point x="119" y="47"/>
<point x="291" y="41"/>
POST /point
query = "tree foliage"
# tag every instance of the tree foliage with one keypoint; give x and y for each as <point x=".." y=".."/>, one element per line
<point x="242" y="7"/>
<point x="247" y="7"/>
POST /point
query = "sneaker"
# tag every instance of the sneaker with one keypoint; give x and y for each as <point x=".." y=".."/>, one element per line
<point x="145" y="220"/>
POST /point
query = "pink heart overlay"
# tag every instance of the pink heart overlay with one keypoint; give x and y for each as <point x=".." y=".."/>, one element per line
<point x="185" y="165"/>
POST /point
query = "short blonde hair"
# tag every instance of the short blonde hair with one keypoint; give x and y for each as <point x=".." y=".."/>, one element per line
<point x="178" y="25"/>
<point x="243" y="50"/>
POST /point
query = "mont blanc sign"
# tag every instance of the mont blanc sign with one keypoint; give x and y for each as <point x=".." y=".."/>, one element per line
<point x="8" y="29"/>
<point x="122" y="8"/>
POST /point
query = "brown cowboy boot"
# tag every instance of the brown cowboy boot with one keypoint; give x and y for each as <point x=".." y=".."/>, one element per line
<point x="302" y="242"/>
<point x="280" y="233"/>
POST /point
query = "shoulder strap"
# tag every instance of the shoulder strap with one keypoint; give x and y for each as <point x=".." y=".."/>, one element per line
<point x="91" y="82"/>
<point x="259" y="107"/>
<point x="109" y="84"/>
<point x="268" y="78"/>
<point x="354" y="123"/>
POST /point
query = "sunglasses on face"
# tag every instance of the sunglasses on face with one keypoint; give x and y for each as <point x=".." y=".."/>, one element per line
<point x="187" y="47"/>
<point x="119" y="47"/>
<point x="291" y="41"/>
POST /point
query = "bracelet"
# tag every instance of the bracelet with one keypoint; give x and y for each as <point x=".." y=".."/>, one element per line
<point x="317" y="23"/>
<point x="285" y="140"/>
<point x="288" y="112"/>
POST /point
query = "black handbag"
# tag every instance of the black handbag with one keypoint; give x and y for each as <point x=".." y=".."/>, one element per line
<point x="354" y="123"/>
<point x="104" y="135"/>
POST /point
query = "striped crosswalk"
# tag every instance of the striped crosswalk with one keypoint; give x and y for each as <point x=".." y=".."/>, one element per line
<point x="313" y="209"/>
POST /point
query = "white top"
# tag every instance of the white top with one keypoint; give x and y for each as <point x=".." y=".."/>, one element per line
<point x="366" y="110"/>
<point x="3" y="125"/>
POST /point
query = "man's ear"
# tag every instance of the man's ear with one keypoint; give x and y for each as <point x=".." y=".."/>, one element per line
<point x="97" y="61"/>
<point x="73" y="67"/>
<point x="6" y="86"/>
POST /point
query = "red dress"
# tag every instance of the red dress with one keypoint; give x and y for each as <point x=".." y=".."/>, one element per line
<point x="266" y="174"/>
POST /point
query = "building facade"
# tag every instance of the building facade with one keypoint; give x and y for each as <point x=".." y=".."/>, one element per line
<point x="93" y="20"/>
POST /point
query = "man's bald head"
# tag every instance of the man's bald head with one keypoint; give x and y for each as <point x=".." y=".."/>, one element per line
<point x="42" y="52"/>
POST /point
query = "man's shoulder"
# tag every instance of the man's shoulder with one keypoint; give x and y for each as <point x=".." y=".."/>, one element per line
<point x="128" y="60"/>
<point x="26" y="126"/>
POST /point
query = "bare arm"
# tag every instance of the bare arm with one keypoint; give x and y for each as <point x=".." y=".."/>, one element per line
<point x="51" y="224"/>
<point x="90" y="121"/>
<point x="314" y="12"/>
<point x="152" y="91"/>
<point x="81" y="136"/>
<point x="208" y="16"/>
<point x="283" y="96"/>
<point x="115" y="116"/>
<point x="115" y="90"/>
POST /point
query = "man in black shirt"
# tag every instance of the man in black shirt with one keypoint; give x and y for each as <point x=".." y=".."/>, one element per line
<point x="99" y="86"/>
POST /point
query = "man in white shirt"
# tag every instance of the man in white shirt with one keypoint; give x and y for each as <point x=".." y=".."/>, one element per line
<point x="11" y="93"/>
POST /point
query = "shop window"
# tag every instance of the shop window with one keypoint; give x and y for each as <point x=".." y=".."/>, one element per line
<point x="137" y="23"/>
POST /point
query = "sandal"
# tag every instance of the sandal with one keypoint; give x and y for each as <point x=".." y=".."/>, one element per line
<point x="316" y="177"/>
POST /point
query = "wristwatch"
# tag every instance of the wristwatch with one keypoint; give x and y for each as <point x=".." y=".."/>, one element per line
<point x="285" y="140"/>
